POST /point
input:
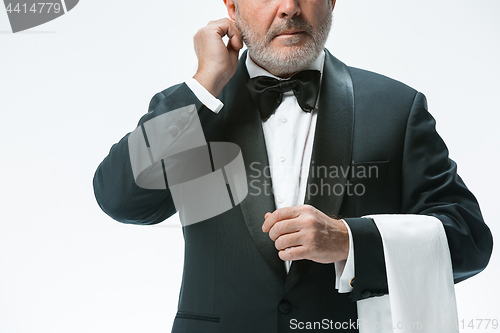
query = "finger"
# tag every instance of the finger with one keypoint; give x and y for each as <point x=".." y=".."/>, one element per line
<point x="288" y="241"/>
<point x="235" y="38"/>
<point x="284" y="227"/>
<point x="293" y="253"/>
<point x="232" y="51"/>
<point x="225" y="27"/>
<point x="236" y="42"/>
<point x="279" y="215"/>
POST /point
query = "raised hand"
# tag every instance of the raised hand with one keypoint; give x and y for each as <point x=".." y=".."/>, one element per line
<point x="217" y="62"/>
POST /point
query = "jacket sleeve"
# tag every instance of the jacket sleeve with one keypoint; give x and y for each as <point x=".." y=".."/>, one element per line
<point x="115" y="187"/>
<point x="430" y="186"/>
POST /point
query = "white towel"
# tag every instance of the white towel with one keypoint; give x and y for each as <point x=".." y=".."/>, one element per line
<point x="419" y="275"/>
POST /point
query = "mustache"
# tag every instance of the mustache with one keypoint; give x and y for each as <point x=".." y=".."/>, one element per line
<point x="289" y="24"/>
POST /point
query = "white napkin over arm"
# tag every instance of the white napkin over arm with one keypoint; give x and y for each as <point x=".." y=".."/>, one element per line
<point x="419" y="277"/>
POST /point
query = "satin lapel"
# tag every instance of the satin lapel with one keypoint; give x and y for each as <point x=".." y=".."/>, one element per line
<point x="332" y="147"/>
<point x="244" y="127"/>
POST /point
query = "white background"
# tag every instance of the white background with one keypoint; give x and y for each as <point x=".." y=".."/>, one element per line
<point x="71" y="88"/>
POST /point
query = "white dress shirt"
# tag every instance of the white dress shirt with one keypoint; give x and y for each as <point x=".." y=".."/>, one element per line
<point x="289" y="136"/>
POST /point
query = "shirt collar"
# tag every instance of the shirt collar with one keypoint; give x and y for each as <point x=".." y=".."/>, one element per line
<point x="255" y="70"/>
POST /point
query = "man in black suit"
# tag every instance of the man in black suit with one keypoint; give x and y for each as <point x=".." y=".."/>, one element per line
<point x="366" y="145"/>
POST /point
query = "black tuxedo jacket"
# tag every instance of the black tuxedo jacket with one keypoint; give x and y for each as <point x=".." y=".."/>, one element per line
<point x="233" y="279"/>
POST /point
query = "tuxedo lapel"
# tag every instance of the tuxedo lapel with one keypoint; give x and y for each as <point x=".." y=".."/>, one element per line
<point x="332" y="147"/>
<point x="244" y="127"/>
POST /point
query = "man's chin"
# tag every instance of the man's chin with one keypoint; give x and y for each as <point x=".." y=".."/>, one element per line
<point x="283" y="64"/>
<point x="285" y="43"/>
<point x="288" y="52"/>
<point x="282" y="60"/>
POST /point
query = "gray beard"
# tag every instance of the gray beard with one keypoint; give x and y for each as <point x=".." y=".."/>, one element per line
<point x="284" y="64"/>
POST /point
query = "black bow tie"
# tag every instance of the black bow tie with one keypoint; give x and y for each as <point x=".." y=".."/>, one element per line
<point x="267" y="92"/>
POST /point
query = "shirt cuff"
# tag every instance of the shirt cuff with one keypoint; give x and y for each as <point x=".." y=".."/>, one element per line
<point x="344" y="270"/>
<point x="204" y="96"/>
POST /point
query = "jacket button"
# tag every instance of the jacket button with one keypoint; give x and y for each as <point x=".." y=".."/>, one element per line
<point x="366" y="294"/>
<point x="285" y="306"/>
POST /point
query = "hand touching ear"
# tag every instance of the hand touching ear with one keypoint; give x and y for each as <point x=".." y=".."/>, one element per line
<point x="217" y="62"/>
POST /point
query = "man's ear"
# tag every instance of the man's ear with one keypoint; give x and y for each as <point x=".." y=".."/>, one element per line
<point x="231" y="8"/>
<point x="333" y="3"/>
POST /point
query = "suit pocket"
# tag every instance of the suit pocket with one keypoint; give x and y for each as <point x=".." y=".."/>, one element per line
<point x="197" y="316"/>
